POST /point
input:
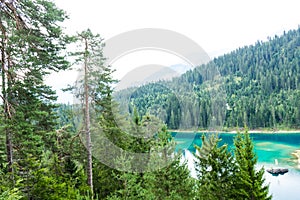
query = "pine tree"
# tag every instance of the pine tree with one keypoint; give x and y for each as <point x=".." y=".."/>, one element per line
<point x="250" y="183"/>
<point x="32" y="45"/>
<point x="94" y="95"/>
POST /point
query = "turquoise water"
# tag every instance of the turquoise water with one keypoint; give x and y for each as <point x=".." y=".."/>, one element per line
<point x="268" y="147"/>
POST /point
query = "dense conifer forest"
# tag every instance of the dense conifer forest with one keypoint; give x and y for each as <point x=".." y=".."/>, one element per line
<point x="259" y="88"/>
<point x="51" y="151"/>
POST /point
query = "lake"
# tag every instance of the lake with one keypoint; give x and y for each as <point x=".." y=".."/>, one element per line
<point x="268" y="147"/>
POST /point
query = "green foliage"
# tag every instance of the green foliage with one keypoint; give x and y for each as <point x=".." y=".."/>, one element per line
<point x="250" y="182"/>
<point x="260" y="85"/>
<point x="222" y="175"/>
<point x="42" y="155"/>
<point x="215" y="169"/>
<point x="162" y="176"/>
<point x="13" y="194"/>
<point x="32" y="45"/>
<point x="7" y="189"/>
<point x="172" y="180"/>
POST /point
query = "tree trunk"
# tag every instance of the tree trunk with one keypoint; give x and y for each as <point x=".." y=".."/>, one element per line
<point x="7" y="115"/>
<point x="87" y="121"/>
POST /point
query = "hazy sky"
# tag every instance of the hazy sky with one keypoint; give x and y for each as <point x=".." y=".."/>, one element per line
<point x="218" y="26"/>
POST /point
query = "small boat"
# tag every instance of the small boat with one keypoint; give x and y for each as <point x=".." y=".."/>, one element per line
<point x="276" y="172"/>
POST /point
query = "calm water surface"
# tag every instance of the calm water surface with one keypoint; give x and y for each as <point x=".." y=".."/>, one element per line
<point x="268" y="147"/>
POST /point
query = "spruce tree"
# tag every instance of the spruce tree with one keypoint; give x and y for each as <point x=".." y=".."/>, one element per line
<point x="250" y="183"/>
<point x="173" y="179"/>
<point x="133" y="180"/>
<point x="112" y="126"/>
<point x="215" y="170"/>
<point x="162" y="176"/>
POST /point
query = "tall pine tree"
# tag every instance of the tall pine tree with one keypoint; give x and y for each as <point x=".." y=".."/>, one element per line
<point x="94" y="95"/>
<point x="32" y="45"/>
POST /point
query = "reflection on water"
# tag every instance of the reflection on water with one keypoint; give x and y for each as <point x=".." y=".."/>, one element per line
<point x="273" y="150"/>
<point x="284" y="186"/>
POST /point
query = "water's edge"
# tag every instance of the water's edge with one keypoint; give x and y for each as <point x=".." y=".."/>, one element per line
<point x="268" y="147"/>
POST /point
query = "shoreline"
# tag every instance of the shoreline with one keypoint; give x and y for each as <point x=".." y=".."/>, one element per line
<point x="241" y="131"/>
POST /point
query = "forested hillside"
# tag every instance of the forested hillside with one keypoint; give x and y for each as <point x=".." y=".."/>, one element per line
<point x="81" y="151"/>
<point x="258" y="87"/>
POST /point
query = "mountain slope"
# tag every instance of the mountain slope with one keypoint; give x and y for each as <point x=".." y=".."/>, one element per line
<point x="257" y="86"/>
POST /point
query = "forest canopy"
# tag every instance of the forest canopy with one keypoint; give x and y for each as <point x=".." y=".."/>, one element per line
<point x="48" y="151"/>
<point x="259" y="86"/>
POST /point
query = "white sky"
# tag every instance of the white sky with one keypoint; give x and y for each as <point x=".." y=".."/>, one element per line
<point x="218" y="26"/>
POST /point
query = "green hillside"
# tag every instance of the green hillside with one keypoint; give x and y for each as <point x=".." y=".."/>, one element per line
<point x="257" y="86"/>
